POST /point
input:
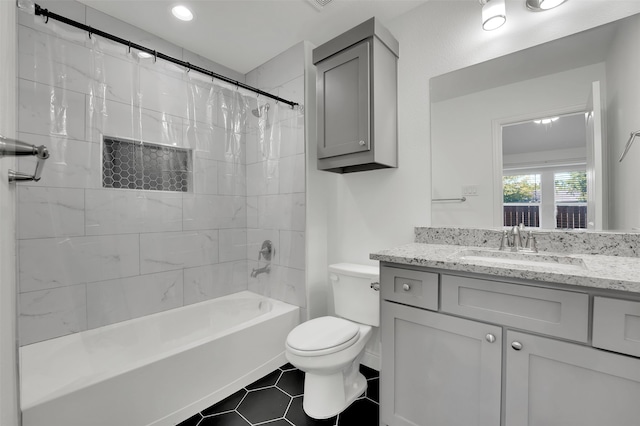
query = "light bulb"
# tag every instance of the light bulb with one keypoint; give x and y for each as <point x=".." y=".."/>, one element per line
<point x="550" y="4"/>
<point x="493" y="15"/>
<point x="182" y="12"/>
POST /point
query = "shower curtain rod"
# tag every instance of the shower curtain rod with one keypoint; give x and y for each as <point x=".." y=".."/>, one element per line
<point x="39" y="11"/>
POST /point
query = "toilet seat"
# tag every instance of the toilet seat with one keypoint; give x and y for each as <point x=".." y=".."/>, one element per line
<point x="322" y="336"/>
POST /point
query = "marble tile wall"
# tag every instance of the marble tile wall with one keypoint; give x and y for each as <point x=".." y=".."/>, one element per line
<point x="276" y="197"/>
<point x="89" y="256"/>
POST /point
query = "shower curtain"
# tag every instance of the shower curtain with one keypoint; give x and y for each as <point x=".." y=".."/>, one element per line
<point x="160" y="188"/>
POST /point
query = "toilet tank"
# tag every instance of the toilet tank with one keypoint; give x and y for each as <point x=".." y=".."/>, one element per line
<point x="353" y="297"/>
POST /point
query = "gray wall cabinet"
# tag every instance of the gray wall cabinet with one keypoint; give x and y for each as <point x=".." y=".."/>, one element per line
<point x="356" y="88"/>
<point x="488" y="352"/>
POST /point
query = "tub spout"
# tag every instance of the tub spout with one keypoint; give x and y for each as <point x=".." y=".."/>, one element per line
<point x="264" y="270"/>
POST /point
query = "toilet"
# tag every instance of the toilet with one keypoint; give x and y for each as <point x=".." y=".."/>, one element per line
<point x="329" y="349"/>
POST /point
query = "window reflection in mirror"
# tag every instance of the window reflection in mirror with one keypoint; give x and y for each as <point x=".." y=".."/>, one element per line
<point x="544" y="183"/>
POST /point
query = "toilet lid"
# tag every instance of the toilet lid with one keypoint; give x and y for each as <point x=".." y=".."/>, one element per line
<point x="323" y="333"/>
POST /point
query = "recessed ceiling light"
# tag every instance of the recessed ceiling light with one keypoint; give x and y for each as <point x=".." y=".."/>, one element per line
<point x="182" y="12"/>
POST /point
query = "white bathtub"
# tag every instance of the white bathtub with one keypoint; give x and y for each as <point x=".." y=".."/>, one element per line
<point x="156" y="370"/>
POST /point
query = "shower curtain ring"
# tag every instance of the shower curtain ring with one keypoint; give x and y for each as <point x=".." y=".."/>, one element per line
<point x="45" y="16"/>
<point x="129" y="46"/>
<point x="188" y="67"/>
<point x="155" y="56"/>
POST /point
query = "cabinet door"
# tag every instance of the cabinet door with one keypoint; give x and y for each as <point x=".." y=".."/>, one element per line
<point x="549" y="382"/>
<point x="438" y="370"/>
<point x="343" y="102"/>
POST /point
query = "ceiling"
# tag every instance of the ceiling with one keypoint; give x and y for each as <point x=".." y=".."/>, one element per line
<point x="569" y="131"/>
<point x="244" y="34"/>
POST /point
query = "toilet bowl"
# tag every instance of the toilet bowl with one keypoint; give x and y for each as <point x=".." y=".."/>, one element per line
<point x="329" y="349"/>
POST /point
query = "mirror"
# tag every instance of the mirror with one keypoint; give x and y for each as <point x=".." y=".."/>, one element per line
<point x="476" y="112"/>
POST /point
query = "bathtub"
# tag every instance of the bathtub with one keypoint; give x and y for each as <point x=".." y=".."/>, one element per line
<point x="156" y="370"/>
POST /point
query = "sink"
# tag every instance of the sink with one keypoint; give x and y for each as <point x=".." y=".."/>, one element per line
<point x="506" y="258"/>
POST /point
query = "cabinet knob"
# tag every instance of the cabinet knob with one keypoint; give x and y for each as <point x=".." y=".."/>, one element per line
<point x="362" y="143"/>
<point x="406" y="287"/>
<point x="516" y="345"/>
<point x="490" y="338"/>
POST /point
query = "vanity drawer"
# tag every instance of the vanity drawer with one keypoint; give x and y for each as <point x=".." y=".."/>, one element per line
<point x="542" y="310"/>
<point x="616" y="325"/>
<point x="415" y="288"/>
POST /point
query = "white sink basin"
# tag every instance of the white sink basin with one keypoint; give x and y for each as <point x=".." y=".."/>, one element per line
<point x="506" y="258"/>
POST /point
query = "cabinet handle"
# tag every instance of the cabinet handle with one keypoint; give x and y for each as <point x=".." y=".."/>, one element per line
<point x="516" y="345"/>
<point x="406" y="287"/>
<point x="490" y="338"/>
<point x="362" y="143"/>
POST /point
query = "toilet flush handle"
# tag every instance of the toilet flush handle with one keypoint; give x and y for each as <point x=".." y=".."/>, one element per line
<point x="375" y="286"/>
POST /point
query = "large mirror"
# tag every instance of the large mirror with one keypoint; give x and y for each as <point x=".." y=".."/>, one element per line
<point x="535" y="136"/>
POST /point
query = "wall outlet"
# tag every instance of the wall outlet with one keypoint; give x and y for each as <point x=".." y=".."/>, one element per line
<point x="469" y="190"/>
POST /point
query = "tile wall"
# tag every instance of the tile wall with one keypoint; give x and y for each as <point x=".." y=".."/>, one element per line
<point x="276" y="198"/>
<point x="90" y="256"/>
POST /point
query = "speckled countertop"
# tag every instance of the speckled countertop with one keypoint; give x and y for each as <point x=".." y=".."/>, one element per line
<point x="585" y="270"/>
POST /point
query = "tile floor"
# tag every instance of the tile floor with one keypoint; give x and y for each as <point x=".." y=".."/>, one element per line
<point x="276" y="400"/>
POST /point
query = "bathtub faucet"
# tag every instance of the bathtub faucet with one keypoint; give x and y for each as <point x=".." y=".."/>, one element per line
<point x="264" y="270"/>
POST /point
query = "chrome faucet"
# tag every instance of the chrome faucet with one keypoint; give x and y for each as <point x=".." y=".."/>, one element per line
<point x="516" y="234"/>
<point x="517" y="241"/>
<point x="266" y="252"/>
<point x="264" y="270"/>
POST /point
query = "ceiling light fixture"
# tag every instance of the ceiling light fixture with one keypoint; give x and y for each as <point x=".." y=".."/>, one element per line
<point x="542" y="5"/>
<point x="182" y="12"/>
<point x="494" y="14"/>
<point x="546" y="120"/>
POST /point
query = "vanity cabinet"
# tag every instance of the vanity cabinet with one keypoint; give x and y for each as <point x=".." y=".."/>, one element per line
<point x="551" y="382"/>
<point x="356" y="95"/>
<point x="442" y="370"/>
<point x="492" y="352"/>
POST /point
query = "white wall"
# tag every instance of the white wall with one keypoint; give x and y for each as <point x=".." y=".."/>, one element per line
<point x="378" y="209"/>
<point x="8" y="339"/>
<point x="623" y="115"/>
<point x="462" y="145"/>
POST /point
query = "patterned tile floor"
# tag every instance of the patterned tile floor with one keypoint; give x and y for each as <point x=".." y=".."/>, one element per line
<point x="276" y="400"/>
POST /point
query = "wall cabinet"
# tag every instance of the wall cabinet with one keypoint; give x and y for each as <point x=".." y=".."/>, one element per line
<point x="356" y="95"/>
<point x="488" y="352"/>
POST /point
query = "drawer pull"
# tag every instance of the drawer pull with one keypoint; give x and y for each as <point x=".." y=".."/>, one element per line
<point x="406" y="286"/>
<point x="490" y="338"/>
<point x="516" y="345"/>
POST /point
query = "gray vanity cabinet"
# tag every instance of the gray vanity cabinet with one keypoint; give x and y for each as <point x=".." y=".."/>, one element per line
<point x="551" y="382"/>
<point x="447" y="372"/>
<point x="356" y="96"/>
<point x="471" y="349"/>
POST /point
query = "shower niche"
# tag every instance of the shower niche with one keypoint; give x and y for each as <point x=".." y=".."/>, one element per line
<point x="356" y="88"/>
<point x="130" y="164"/>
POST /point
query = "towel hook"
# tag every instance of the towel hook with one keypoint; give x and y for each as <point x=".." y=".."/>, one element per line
<point x="633" y="136"/>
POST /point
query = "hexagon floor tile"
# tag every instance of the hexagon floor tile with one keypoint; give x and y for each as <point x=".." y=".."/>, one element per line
<point x="276" y="400"/>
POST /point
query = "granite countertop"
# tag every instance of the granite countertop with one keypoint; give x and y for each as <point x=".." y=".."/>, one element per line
<point x="585" y="270"/>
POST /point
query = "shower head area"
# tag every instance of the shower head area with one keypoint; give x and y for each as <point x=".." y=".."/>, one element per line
<point x="263" y="109"/>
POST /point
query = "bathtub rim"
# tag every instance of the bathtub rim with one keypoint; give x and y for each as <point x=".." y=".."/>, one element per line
<point x="28" y="402"/>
